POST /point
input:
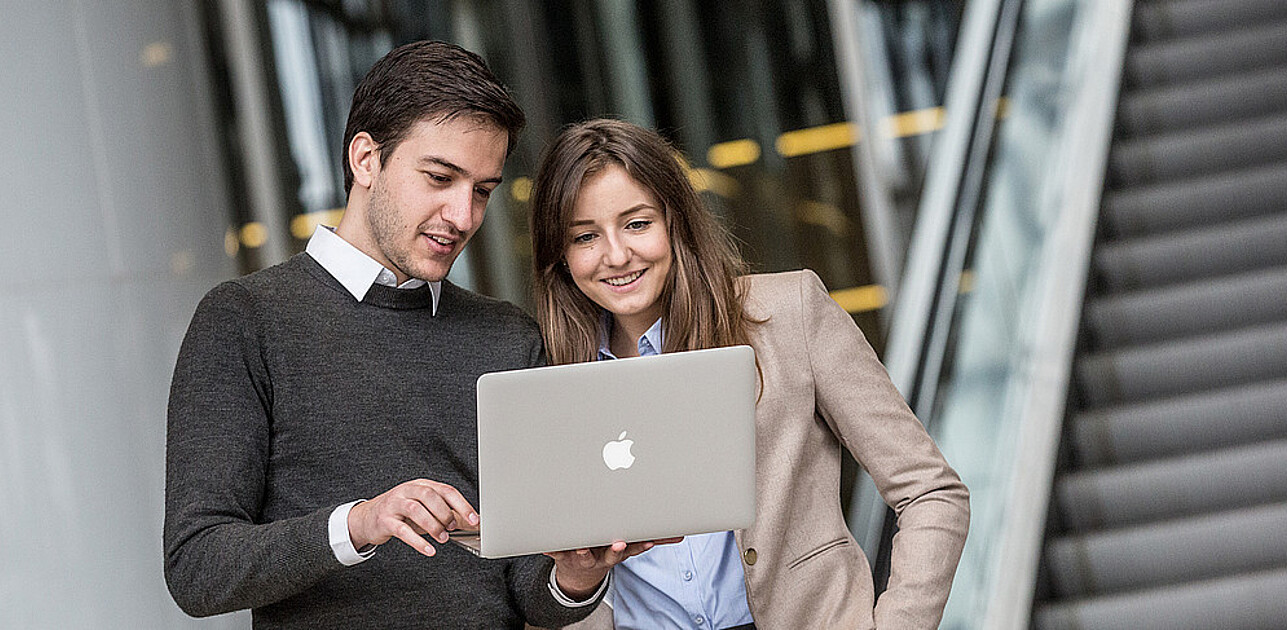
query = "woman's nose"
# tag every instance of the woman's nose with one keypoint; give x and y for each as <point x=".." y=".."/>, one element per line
<point x="617" y="253"/>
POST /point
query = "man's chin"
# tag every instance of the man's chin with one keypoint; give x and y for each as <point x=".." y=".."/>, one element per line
<point x="424" y="267"/>
<point x="431" y="277"/>
<point x="431" y="273"/>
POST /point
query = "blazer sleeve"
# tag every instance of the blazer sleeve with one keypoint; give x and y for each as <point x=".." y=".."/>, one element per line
<point x="219" y="557"/>
<point x="866" y="412"/>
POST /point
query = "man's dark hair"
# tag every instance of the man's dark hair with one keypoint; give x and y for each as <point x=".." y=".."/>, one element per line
<point x="426" y="80"/>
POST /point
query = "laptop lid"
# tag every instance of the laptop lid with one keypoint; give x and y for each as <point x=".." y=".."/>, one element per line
<point x="632" y="449"/>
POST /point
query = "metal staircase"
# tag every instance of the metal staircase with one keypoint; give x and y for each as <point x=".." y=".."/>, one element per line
<point x="1170" y="505"/>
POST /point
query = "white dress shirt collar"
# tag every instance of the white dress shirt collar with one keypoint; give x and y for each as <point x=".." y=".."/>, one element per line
<point x="356" y="270"/>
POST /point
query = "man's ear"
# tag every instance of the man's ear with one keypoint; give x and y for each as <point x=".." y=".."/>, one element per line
<point x="364" y="159"/>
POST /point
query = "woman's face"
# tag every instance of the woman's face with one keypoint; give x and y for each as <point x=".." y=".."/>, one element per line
<point x="618" y="250"/>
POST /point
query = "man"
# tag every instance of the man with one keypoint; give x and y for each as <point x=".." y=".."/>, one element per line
<point x="348" y="372"/>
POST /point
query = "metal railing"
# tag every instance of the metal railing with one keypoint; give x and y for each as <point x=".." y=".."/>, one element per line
<point x="983" y="332"/>
<point x="955" y="169"/>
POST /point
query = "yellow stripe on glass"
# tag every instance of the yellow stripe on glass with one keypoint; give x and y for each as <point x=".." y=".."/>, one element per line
<point x="733" y="153"/>
<point x="705" y="179"/>
<point x="817" y="139"/>
<point x="521" y="189"/>
<point x="861" y="299"/>
<point x="302" y="225"/>
<point x="253" y="235"/>
<point x="913" y="123"/>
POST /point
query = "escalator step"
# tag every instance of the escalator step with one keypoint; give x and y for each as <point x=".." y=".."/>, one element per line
<point x="1195" y="201"/>
<point x="1187" y="18"/>
<point x="1248" y="601"/>
<point x="1192" y="58"/>
<point x="1188" y="365"/>
<point x="1176" y="508"/>
<point x="1199" y="152"/>
<point x="1182" y="424"/>
<point x="1170" y="488"/>
<point x="1213" y="100"/>
<point x="1181" y="310"/>
<point x="1192" y="254"/>
<point x="1169" y="552"/>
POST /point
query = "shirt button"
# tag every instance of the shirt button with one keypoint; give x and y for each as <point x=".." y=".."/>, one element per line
<point x="700" y="620"/>
<point x="750" y="556"/>
<point x="688" y="575"/>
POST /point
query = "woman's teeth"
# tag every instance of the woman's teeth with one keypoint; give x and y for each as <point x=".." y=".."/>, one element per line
<point x="624" y="280"/>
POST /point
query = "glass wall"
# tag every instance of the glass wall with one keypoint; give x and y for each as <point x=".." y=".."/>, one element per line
<point x="747" y="90"/>
<point x="999" y="399"/>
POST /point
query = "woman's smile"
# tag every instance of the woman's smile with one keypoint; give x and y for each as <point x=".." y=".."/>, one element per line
<point x="623" y="282"/>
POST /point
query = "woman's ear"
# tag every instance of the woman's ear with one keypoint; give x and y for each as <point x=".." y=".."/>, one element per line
<point x="364" y="159"/>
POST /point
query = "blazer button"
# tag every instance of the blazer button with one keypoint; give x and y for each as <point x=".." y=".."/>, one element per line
<point x="750" y="556"/>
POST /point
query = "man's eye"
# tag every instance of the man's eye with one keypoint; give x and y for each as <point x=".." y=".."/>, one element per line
<point x="484" y="193"/>
<point x="440" y="179"/>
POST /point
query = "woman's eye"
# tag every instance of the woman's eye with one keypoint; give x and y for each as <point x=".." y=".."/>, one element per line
<point x="638" y="224"/>
<point x="583" y="238"/>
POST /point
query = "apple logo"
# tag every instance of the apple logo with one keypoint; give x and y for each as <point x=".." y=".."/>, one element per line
<point x="616" y="454"/>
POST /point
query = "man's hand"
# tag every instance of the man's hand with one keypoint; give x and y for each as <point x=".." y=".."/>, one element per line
<point x="580" y="571"/>
<point x="407" y="512"/>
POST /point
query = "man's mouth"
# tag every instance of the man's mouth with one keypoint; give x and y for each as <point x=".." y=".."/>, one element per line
<point x="621" y="281"/>
<point x="441" y="240"/>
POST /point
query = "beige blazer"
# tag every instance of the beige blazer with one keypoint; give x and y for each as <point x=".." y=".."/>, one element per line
<point x="824" y="390"/>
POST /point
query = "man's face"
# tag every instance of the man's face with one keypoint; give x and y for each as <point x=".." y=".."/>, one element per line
<point x="428" y="198"/>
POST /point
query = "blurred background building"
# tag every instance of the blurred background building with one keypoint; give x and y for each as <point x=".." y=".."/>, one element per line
<point x="1061" y="222"/>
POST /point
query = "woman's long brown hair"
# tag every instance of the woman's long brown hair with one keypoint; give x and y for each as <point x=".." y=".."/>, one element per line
<point x="702" y="306"/>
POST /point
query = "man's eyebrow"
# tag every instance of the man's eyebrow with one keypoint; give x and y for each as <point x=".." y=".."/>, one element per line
<point x="435" y="160"/>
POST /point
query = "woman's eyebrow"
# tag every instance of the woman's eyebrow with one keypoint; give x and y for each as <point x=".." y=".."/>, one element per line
<point x="635" y="208"/>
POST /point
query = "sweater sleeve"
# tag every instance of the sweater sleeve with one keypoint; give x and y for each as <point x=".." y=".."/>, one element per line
<point x="530" y="587"/>
<point x="219" y="554"/>
<point x="865" y="410"/>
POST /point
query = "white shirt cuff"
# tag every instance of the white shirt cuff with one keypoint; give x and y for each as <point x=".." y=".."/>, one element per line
<point x="562" y="598"/>
<point x="338" y="529"/>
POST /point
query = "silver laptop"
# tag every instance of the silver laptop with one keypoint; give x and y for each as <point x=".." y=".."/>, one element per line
<point x="645" y="448"/>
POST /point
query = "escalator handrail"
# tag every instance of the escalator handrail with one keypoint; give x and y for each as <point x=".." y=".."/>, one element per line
<point x="987" y="28"/>
<point x="925" y="312"/>
<point x="977" y="77"/>
<point x="1078" y="182"/>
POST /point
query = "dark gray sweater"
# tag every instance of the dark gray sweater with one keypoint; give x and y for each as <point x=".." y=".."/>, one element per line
<point x="290" y="398"/>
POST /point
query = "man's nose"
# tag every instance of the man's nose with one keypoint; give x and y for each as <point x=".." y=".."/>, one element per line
<point x="459" y="209"/>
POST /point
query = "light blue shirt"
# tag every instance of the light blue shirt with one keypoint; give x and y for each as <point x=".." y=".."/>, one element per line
<point x="697" y="583"/>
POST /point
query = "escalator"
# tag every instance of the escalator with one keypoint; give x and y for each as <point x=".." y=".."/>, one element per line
<point x="1169" y="507"/>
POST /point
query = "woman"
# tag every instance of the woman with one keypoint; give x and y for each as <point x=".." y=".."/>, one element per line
<point x="629" y="262"/>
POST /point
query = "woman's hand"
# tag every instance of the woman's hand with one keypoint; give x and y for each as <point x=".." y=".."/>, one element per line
<point x="580" y="571"/>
